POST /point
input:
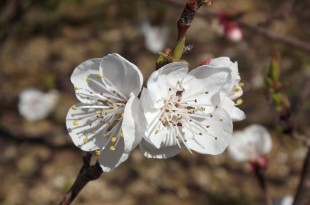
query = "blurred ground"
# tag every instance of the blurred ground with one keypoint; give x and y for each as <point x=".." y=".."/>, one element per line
<point x="43" y="41"/>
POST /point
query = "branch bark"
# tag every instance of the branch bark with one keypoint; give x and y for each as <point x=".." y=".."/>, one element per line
<point x="289" y="41"/>
<point x="87" y="173"/>
<point x="302" y="196"/>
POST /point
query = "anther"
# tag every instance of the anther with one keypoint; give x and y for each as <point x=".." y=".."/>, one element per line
<point x="239" y="101"/>
<point x="112" y="148"/>
<point x="113" y="139"/>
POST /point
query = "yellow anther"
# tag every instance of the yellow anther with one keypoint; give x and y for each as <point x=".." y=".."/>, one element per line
<point x="88" y="79"/>
<point x="113" y="139"/>
<point x="76" y="88"/>
<point x="202" y="109"/>
<point x="239" y="101"/>
<point x="74" y="107"/>
<point x="241" y="84"/>
<point x="97" y="152"/>
<point x="112" y="148"/>
<point x="85" y="140"/>
<point x="98" y="112"/>
<point x="156" y="132"/>
<point x="99" y="76"/>
<point x="104" y="135"/>
<point x="237" y="90"/>
<point x="75" y="123"/>
<point x="121" y="134"/>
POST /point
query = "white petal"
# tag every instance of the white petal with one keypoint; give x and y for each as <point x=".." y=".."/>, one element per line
<point x="239" y="149"/>
<point x="168" y="76"/>
<point x="214" y="135"/>
<point x="34" y="104"/>
<point x="249" y="144"/>
<point x="235" y="113"/>
<point x="86" y="130"/>
<point x="132" y="124"/>
<point x="224" y="62"/>
<point x="261" y="138"/>
<point x="110" y="159"/>
<point x="86" y="78"/>
<point x="150" y="151"/>
<point x="121" y="74"/>
<point x="155" y="133"/>
<point x="203" y="82"/>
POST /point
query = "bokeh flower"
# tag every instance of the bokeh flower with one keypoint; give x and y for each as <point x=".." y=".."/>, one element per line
<point x="107" y="116"/>
<point x="229" y="27"/>
<point x="35" y="105"/>
<point x="184" y="109"/>
<point x="251" y="145"/>
<point x="155" y="37"/>
<point x="286" y="200"/>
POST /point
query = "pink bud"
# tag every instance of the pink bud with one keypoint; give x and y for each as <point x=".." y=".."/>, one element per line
<point x="233" y="32"/>
<point x="206" y="62"/>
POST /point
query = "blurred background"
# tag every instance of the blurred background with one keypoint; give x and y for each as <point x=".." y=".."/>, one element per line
<point x="41" y="42"/>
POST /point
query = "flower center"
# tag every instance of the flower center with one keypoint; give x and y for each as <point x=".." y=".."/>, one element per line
<point x="172" y="110"/>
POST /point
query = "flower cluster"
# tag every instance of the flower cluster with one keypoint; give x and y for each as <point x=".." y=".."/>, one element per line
<point x="178" y="109"/>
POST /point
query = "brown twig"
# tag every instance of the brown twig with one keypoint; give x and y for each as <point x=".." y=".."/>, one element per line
<point x="87" y="173"/>
<point x="289" y="41"/>
<point x="302" y="196"/>
<point x="260" y="176"/>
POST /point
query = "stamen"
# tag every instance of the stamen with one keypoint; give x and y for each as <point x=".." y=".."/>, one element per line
<point x="76" y="123"/>
<point x="239" y="101"/>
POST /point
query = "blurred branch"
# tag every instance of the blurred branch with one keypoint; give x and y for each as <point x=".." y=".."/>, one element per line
<point x="260" y="176"/>
<point x="302" y="196"/>
<point x="289" y="41"/>
<point x="87" y="173"/>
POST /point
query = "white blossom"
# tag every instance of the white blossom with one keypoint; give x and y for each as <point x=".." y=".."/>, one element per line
<point x="107" y="117"/>
<point x="232" y="91"/>
<point x="35" y="105"/>
<point x="286" y="200"/>
<point x="189" y="110"/>
<point x="250" y="144"/>
<point x="155" y="37"/>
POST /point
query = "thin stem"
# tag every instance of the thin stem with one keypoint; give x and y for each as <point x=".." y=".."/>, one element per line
<point x="302" y="196"/>
<point x="289" y="41"/>
<point x="260" y="176"/>
<point x="87" y="173"/>
<point x="183" y="25"/>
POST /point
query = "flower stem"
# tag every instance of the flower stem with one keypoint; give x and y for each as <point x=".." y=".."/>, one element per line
<point x="302" y="196"/>
<point x="184" y="23"/>
<point x="260" y="176"/>
<point x="87" y="173"/>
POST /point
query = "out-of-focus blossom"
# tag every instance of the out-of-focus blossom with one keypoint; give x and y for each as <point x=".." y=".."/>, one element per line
<point x="107" y="118"/>
<point x="251" y="145"/>
<point x="189" y="110"/>
<point x="155" y="37"/>
<point x="229" y="28"/>
<point x="286" y="200"/>
<point x="35" y="105"/>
